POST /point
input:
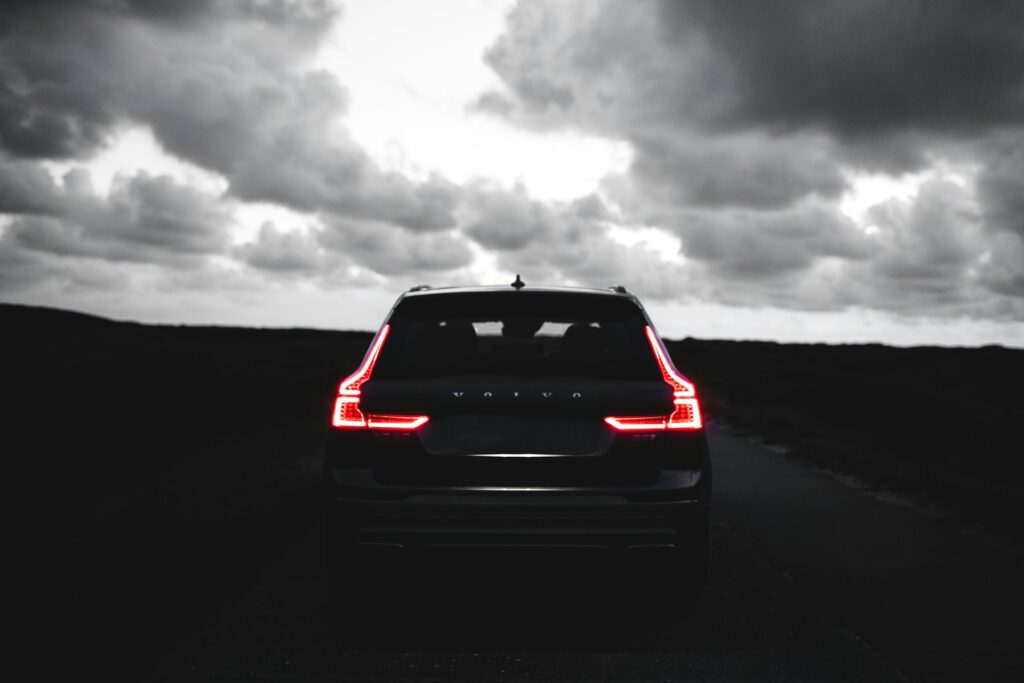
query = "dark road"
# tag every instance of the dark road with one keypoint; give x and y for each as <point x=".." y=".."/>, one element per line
<point x="811" y="580"/>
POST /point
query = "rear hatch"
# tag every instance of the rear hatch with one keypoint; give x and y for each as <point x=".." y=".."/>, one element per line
<point x="517" y="387"/>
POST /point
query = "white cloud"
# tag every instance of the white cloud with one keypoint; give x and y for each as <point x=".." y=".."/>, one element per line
<point x="414" y="71"/>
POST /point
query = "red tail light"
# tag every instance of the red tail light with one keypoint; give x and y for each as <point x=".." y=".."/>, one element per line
<point x="686" y="410"/>
<point x="347" y="414"/>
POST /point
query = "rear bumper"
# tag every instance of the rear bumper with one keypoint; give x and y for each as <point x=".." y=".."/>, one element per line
<point x="362" y="513"/>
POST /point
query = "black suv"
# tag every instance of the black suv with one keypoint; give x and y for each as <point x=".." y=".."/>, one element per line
<point x="498" y="416"/>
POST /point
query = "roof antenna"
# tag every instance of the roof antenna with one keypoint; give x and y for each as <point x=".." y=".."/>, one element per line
<point x="518" y="284"/>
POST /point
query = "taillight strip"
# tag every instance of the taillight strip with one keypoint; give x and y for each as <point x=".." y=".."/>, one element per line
<point x="396" y="421"/>
<point x="685" y="407"/>
<point x="680" y="384"/>
<point x="630" y="424"/>
<point x="347" y="415"/>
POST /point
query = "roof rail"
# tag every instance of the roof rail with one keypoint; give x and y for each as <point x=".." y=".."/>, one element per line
<point x="419" y="288"/>
<point x="618" y="288"/>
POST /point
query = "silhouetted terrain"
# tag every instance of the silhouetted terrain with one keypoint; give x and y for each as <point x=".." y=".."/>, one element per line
<point x="942" y="425"/>
<point x="162" y="466"/>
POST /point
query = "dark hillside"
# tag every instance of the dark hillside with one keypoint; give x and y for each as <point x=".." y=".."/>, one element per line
<point x="939" y="423"/>
<point x="156" y="468"/>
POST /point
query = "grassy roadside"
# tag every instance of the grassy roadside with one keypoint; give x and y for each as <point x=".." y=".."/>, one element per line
<point x="163" y="467"/>
<point x="937" y="425"/>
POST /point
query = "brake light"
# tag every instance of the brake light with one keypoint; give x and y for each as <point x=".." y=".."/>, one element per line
<point x="685" y="408"/>
<point x="396" y="421"/>
<point x="347" y="414"/>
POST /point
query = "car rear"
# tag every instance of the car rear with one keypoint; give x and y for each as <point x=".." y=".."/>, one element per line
<point x="518" y="418"/>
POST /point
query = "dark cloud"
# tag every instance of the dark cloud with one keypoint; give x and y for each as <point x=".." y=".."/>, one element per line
<point x="925" y="255"/>
<point x="600" y="64"/>
<point x="857" y="69"/>
<point x="293" y="252"/>
<point x="19" y="269"/>
<point x="23" y="270"/>
<point x="507" y="220"/>
<point x="738" y="170"/>
<point x="932" y="240"/>
<point x="1001" y="183"/>
<point x="748" y="120"/>
<point x="69" y="71"/>
<point x="753" y="246"/>
<point x="40" y="117"/>
<point x="300" y="169"/>
<point x="865" y="67"/>
<point x="1002" y="269"/>
<point x="934" y="257"/>
<point x="225" y="85"/>
<point x="883" y="80"/>
<point x="172" y="11"/>
<point x="625" y="73"/>
<point x="392" y="251"/>
<point x="567" y="242"/>
<point x="26" y="187"/>
<point x="151" y="219"/>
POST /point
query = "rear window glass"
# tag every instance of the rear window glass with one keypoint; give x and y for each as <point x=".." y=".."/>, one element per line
<point x="517" y="333"/>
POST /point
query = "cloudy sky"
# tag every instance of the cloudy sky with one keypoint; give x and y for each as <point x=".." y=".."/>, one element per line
<point x="811" y="171"/>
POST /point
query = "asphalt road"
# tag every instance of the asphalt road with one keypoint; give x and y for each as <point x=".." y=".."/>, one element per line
<point x="811" y="580"/>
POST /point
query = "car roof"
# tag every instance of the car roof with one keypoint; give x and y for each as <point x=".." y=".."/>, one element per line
<point x="613" y="293"/>
<point x="426" y="290"/>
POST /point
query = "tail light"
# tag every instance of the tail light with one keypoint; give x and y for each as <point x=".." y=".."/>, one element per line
<point x="347" y="414"/>
<point x="685" y="408"/>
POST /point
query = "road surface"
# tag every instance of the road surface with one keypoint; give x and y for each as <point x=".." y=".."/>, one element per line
<point x="811" y="580"/>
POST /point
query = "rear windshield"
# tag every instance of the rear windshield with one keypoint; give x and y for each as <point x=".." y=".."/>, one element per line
<point x="517" y="333"/>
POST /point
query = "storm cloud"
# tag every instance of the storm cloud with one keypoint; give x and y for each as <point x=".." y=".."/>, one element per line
<point x="390" y="250"/>
<point x="749" y="123"/>
<point x="572" y="242"/>
<point x="227" y="86"/>
<point x="752" y="129"/>
<point x="149" y="219"/>
<point x="855" y="69"/>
